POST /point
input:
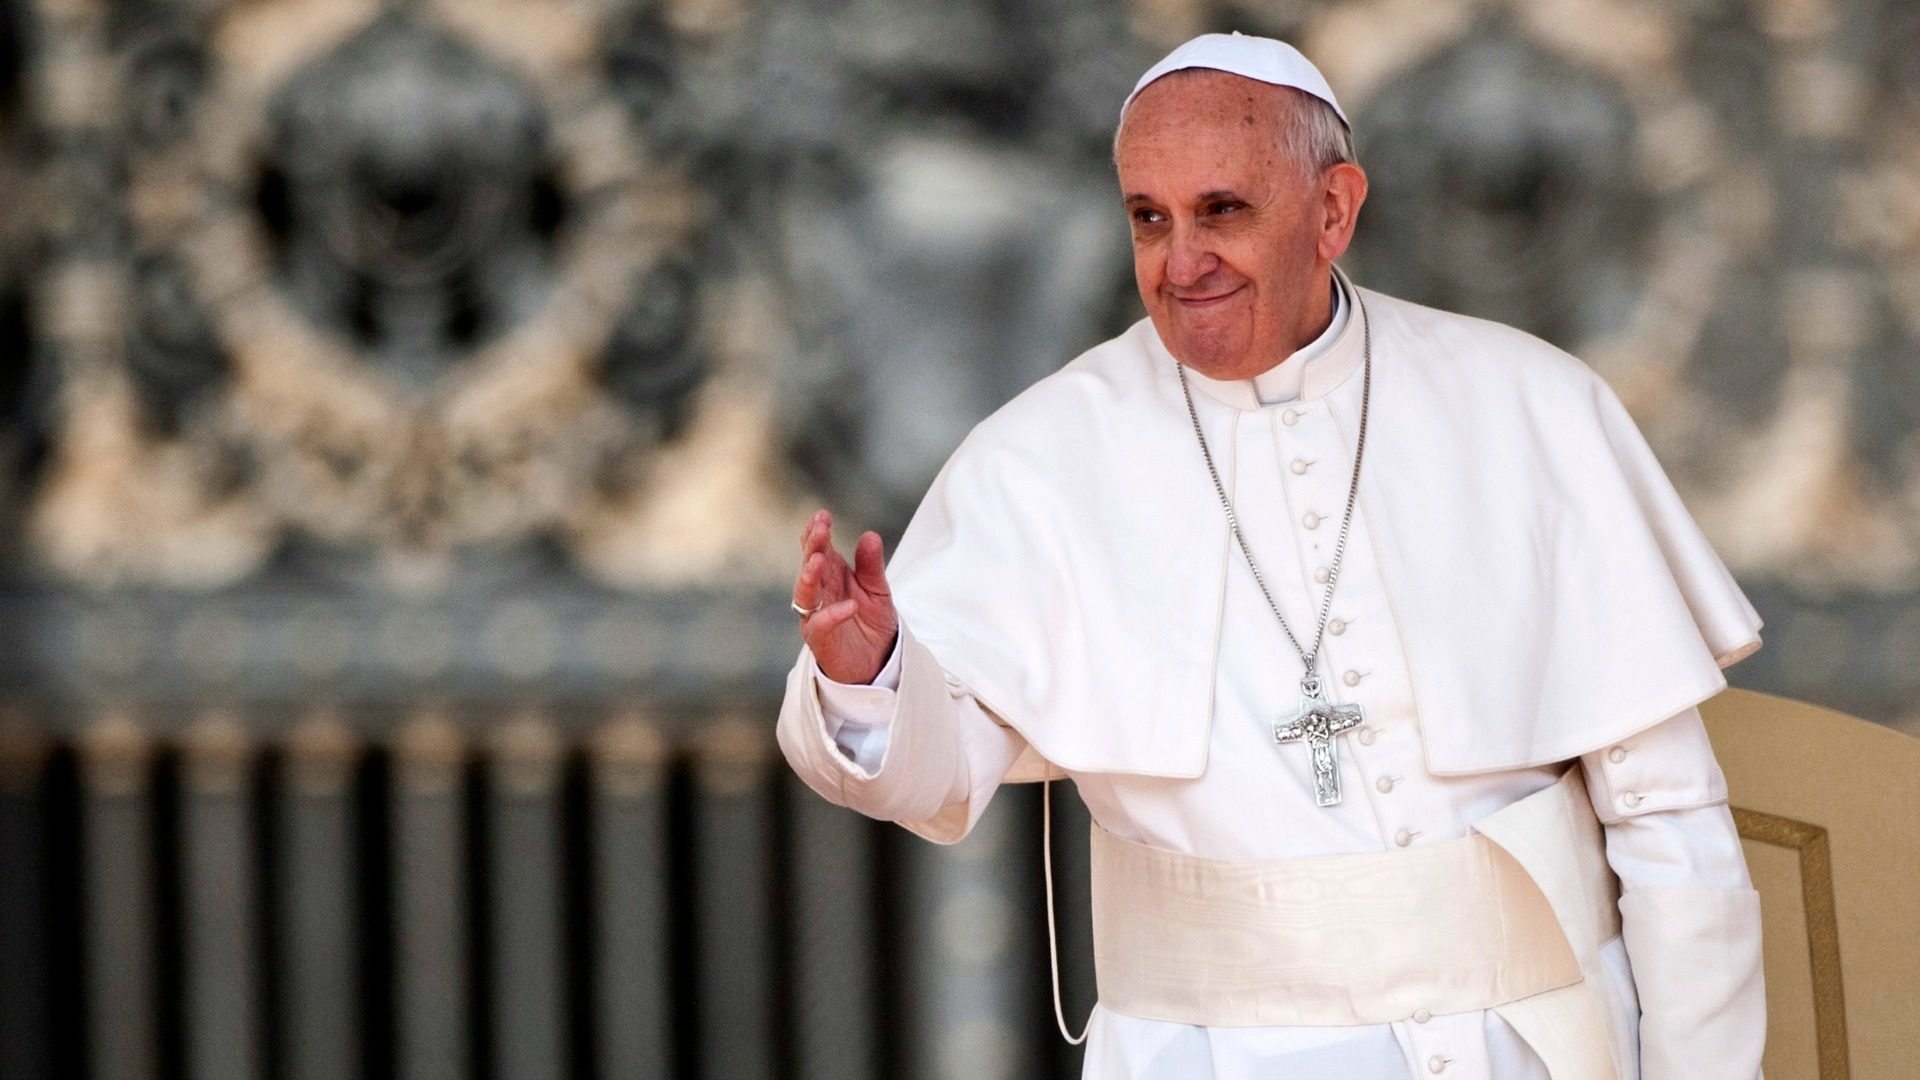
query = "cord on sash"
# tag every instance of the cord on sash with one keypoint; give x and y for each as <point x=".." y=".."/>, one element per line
<point x="1053" y="945"/>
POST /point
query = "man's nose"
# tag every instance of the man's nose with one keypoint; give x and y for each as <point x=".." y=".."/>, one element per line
<point x="1189" y="258"/>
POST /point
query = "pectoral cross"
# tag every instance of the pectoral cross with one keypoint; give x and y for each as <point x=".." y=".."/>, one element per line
<point x="1316" y="724"/>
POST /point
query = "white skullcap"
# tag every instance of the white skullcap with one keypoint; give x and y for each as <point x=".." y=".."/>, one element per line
<point x="1259" y="58"/>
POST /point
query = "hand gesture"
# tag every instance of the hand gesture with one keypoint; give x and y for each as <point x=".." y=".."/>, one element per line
<point x="850" y="625"/>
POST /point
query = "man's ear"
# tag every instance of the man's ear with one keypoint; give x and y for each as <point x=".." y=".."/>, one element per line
<point x="1346" y="189"/>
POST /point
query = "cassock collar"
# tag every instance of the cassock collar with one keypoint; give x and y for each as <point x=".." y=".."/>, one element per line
<point x="1313" y="371"/>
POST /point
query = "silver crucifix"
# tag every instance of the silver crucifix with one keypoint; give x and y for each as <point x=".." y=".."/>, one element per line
<point x="1316" y="724"/>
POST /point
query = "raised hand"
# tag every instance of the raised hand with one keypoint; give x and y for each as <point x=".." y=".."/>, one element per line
<point x="852" y="622"/>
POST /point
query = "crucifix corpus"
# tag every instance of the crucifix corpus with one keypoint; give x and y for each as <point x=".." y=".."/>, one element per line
<point x="1316" y="724"/>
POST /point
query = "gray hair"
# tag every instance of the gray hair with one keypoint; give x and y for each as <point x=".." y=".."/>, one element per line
<point x="1312" y="134"/>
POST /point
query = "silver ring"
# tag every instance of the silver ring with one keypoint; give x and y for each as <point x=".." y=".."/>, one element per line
<point x="800" y="611"/>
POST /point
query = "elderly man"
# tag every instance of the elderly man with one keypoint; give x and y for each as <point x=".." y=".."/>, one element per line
<point x="1370" y="634"/>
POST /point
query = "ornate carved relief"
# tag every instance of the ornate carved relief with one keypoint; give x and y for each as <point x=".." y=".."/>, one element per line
<point x="398" y="281"/>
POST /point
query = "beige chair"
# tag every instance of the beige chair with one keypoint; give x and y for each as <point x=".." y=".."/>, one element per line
<point x="1829" y="807"/>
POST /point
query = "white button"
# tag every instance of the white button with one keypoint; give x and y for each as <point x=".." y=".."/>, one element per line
<point x="1299" y="466"/>
<point x="1437" y="1064"/>
<point x="1632" y="799"/>
<point x="1311" y="520"/>
<point x="1421" y="1016"/>
<point x="1366" y="736"/>
<point x="1383" y="785"/>
<point x="1336" y="626"/>
<point x="1351" y="678"/>
<point x="1321" y="574"/>
<point x="1290" y="417"/>
<point x="1403" y="838"/>
<point x="1617" y="755"/>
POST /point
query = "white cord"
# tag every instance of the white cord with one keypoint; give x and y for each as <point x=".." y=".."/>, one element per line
<point x="1053" y="946"/>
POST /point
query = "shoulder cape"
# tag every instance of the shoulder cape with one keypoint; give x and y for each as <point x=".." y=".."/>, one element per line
<point x="1553" y="593"/>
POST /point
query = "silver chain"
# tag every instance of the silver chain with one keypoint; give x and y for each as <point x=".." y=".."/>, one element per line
<point x="1310" y="659"/>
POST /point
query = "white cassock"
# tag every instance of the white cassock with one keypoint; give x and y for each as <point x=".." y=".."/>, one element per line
<point x="1520" y="589"/>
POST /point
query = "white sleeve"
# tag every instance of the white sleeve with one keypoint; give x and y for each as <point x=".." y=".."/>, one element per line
<point x="1689" y="914"/>
<point x="940" y="755"/>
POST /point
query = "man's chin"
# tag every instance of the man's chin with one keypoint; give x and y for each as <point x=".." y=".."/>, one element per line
<point x="1217" y="356"/>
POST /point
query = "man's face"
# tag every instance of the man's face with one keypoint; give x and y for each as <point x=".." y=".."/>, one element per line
<point x="1228" y="236"/>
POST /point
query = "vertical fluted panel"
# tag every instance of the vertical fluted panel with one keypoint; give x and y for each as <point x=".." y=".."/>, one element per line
<point x="319" y="932"/>
<point x="529" y="1036"/>
<point x="430" y="906"/>
<point x="777" y="968"/>
<point x="831" y="929"/>
<point x="734" y="939"/>
<point x="630" y="898"/>
<point x="26" y="1022"/>
<point x="117" y="823"/>
<point x="220" y="961"/>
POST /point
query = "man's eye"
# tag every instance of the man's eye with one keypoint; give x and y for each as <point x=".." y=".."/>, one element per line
<point x="1146" y="217"/>
<point x="1222" y="207"/>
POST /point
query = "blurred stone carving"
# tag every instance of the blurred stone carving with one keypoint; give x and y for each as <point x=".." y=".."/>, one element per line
<point x="406" y="281"/>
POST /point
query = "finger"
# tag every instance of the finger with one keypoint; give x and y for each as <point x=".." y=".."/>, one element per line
<point x="835" y="576"/>
<point x="819" y="533"/>
<point x="830" y="577"/>
<point x="869" y="564"/>
<point x="828" y="619"/>
<point x="826" y="572"/>
<point x="806" y="586"/>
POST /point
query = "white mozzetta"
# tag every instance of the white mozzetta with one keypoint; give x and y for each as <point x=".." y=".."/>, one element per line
<point x="1550" y="589"/>
<point x="1657" y="769"/>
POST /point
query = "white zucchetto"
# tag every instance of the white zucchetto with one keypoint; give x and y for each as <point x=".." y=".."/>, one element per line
<point x="1259" y="58"/>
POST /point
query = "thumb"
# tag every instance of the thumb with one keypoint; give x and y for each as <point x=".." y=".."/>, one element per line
<point x="869" y="564"/>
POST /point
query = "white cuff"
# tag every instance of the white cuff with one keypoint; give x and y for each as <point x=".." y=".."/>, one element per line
<point x="1668" y="766"/>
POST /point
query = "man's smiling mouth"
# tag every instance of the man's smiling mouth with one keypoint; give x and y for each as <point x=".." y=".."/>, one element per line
<point x="1203" y="302"/>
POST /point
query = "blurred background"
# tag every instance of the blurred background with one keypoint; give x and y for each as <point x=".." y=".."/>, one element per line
<point x="409" y="410"/>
